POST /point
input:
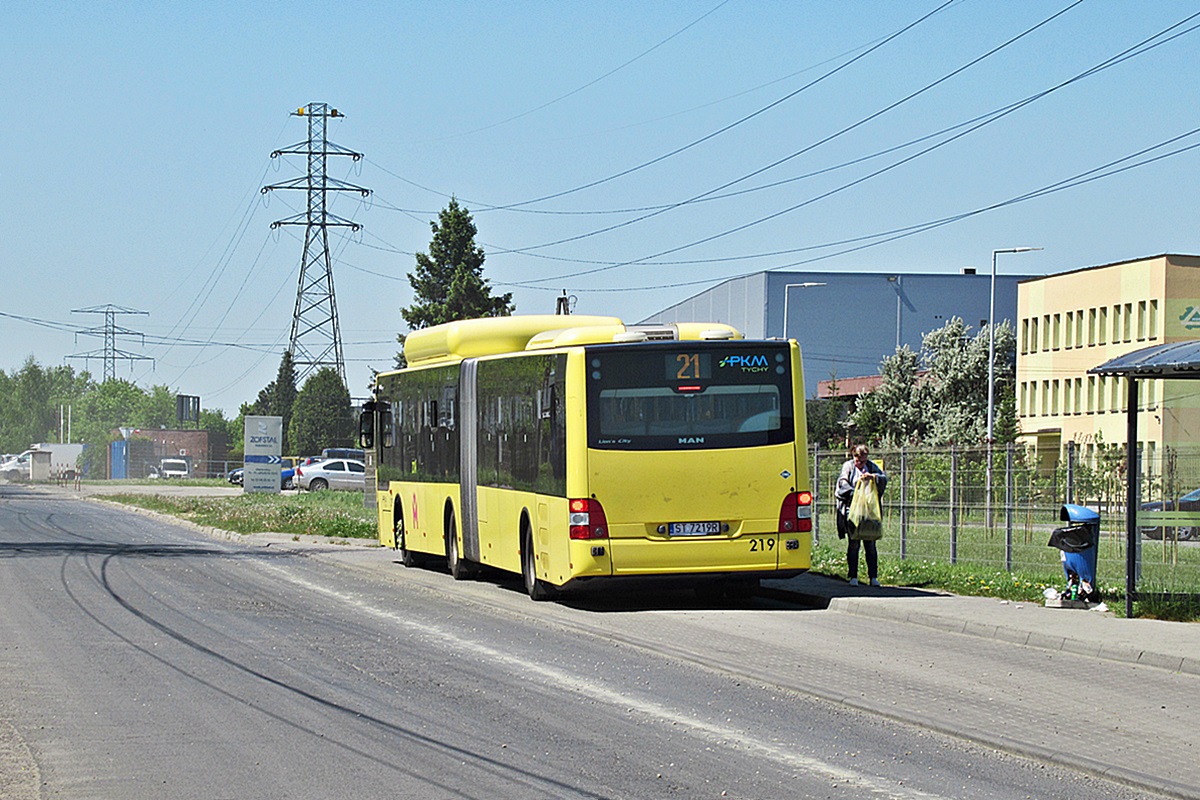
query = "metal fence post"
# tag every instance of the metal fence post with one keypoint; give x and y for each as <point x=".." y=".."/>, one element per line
<point x="1008" y="507"/>
<point x="903" y="502"/>
<point x="953" y="504"/>
<point x="816" y="490"/>
<point x="1070" y="472"/>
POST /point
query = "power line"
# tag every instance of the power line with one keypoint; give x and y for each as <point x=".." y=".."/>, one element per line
<point x="594" y="81"/>
<point x="809" y="148"/>
<point x="149" y="338"/>
<point x="973" y="124"/>
<point x="734" y="124"/>
<point x="182" y="321"/>
<point x="1142" y="47"/>
<point x="1088" y="176"/>
<point x="481" y="207"/>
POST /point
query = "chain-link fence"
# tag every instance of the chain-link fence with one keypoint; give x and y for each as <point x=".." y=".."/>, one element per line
<point x="957" y="506"/>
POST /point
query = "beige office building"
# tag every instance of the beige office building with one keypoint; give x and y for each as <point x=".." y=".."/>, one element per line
<point x="1074" y="321"/>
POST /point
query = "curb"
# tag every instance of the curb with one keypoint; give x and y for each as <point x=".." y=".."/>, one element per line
<point x="951" y="624"/>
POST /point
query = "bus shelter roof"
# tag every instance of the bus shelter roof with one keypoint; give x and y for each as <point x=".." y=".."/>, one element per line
<point x="1174" y="360"/>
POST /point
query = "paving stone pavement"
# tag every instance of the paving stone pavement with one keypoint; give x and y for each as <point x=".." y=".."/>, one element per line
<point x="1170" y="645"/>
<point x="1118" y="697"/>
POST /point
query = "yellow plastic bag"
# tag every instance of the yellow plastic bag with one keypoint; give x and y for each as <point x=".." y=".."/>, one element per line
<point x="866" y="516"/>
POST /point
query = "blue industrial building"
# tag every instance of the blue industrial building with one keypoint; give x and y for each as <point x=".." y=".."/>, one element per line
<point x="847" y="323"/>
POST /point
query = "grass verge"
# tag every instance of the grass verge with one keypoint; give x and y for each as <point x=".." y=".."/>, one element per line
<point x="338" y="514"/>
<point x="954" y="578"/>
<point x="1017" y="586"/>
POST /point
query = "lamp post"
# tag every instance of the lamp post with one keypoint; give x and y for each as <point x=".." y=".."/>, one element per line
<point x="786" y="292"/>
<point x="894" y="280"/>
<point x="991" y="400"/>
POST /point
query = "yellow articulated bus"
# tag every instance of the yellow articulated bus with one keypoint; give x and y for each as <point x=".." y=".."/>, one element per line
<point x="571" y="448"/>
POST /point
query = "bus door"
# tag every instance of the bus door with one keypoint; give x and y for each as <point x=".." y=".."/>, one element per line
<point x="468" y="460"/>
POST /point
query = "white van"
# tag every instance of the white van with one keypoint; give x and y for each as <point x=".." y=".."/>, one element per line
<point x="172" y="468"/>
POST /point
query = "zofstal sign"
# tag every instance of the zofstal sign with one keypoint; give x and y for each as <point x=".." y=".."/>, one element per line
<point x="262" y="465"/>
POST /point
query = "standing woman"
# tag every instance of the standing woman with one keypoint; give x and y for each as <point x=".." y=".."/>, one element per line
<point x="858" y="468"/>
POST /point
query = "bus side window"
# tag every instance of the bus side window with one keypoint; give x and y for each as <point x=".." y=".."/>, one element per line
<point x="449" y="408"/>
<point x="387" y="433"/>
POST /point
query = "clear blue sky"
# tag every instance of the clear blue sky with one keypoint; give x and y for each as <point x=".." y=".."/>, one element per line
<point x="138" y="134"/>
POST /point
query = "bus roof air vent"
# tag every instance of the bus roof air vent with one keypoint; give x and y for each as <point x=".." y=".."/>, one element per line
<point x="657" y="333"/>
<point x="717" y="334"/>
<point x="630" y="336"/>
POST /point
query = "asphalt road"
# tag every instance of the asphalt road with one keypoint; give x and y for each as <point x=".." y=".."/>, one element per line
<point x="143" y="659"/>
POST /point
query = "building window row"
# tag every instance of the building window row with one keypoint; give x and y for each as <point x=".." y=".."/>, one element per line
<point x="1092" y="327"/>
<point x="1148" y="455"/>
<point x="1093" y="394"/>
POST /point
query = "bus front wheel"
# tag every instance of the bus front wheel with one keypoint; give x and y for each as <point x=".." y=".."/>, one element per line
<point x="407" y="557"/>
<point x="459" y="569"/>
<point x="537" y="589"/>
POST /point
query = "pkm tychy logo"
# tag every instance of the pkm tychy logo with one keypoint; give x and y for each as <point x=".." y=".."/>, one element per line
<point x="1190" y="318"/>
<point x="747" y="363"/>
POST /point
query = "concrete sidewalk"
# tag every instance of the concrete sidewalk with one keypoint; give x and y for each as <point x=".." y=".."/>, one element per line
<point x="1173" y="646"/>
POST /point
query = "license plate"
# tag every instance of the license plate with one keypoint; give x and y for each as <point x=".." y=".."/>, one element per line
<point x="693" y="528"/>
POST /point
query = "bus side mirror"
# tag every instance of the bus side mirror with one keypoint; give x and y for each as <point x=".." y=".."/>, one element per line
<point x="366" y="430"/>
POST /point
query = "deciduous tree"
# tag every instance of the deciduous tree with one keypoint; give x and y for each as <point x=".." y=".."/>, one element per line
<point x="940" y="396"/>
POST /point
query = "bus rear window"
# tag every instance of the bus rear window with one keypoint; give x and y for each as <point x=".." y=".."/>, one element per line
<point x="689" y="396"/>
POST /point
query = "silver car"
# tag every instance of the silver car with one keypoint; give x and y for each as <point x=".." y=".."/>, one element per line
<point x="334" y="473"/>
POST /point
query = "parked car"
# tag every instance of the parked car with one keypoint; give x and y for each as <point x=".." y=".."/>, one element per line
<point x="1189" y="502"/>
<point x="344" y="452"/>
<point x="333" y="473"/>
<point x="235" y="476"/>
<point x="171" y="468"/>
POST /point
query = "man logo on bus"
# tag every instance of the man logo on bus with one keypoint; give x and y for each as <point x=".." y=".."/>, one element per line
<point x="756" y="363"/>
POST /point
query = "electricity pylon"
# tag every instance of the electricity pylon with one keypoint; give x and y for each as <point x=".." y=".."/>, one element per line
<point x="109" y="331"/>
<point x="316" y="339"/>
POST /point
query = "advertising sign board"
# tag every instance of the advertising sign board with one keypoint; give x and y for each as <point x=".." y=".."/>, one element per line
<point x="264" y="444"/>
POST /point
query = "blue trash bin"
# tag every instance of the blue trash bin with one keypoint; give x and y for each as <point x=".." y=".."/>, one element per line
<point x="1079" y="543"/>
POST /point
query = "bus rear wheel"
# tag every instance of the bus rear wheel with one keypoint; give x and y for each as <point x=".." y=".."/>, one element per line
<point x="537" y="589"/>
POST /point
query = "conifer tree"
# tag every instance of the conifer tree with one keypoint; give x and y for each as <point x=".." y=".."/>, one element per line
<point x="448" y="281"/>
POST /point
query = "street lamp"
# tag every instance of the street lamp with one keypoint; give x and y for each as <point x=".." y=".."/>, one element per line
<point x="894" y="280"/>
<point x="786" y="291"/>
<point x="991" y="403"/>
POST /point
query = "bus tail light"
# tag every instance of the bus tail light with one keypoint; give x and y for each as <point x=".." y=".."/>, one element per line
<point x="795" y="515"/>
<point x="587" y="520"/>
